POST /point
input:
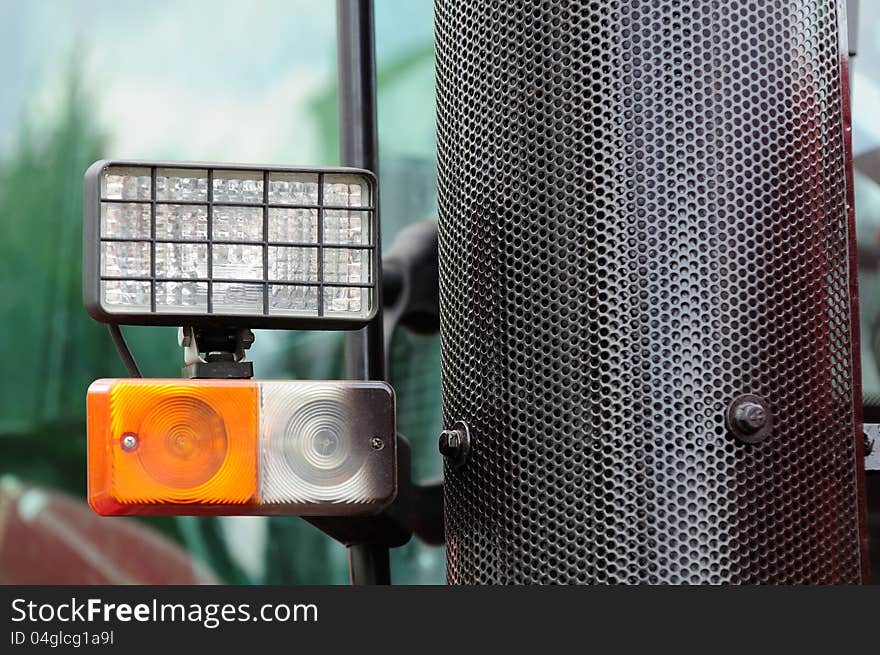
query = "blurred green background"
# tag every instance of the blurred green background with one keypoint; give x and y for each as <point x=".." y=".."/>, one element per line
<point x="228" y="81"/>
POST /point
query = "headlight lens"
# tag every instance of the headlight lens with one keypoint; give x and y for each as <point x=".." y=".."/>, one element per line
<point x="264" y="247"/>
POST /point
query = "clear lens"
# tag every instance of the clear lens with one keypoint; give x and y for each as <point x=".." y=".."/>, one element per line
<point x="293" y="264"/>
<point x="293" y="299"/>
<point x="237" y="223"/>
<point x="126" y="183"/>
<point x="125" y="259"/>
<point x="347" y="265"/>
<point x="238" y="186"/>
<point x="317" y="443"/>
<point x="293" y="225"/>
<point x="236" y="262"/>
<point x="346" y="301"/>
<point x="181" y="222"/>
<point x="181" y="260"/>
<point x="182" y="297"/>
<point x="293" y="189"/>
<point x="182" y="185"/>
<point x="235" y="298"/>
<point x="125" y="295"/>
<point x="346" y="191"/>
<point x="346" y="227"/>
<point x="125" y="220"/>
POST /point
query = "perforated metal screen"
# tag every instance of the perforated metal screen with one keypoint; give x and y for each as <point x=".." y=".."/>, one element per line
<point x="643" y="214"/>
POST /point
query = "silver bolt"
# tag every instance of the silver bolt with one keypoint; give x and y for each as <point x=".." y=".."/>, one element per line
<point x="750" y="417"/>
<point x="450" y="443"/>
<point x="129" y="442"/>
<point x="377" y="443"/>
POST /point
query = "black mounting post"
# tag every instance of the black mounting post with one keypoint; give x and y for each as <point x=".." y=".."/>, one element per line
<point x="369" y="564"/>
<point x="358" y="147"/>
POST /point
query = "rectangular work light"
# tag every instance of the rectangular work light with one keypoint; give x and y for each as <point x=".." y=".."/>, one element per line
<point x="240" y="447"/>
<point x="178" y="244"/>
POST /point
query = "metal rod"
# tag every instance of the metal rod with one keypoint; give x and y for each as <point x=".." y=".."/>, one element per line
<point x="230" y="280"/>
<point x="369" y="564"/>
<point x="358" y="140"/>
<point x="358" y="146"/>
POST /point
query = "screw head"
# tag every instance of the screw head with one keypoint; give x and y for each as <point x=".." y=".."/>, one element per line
<point x="129" y="442"/>
<point x="749" y="419"/>
<point x="376" y="443"/>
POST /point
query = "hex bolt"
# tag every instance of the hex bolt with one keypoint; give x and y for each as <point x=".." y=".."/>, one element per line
<point x="455" y="445"/>
<point x="376" y="443"/>
<point x="450" y="443"/>
<point x="750" y="417"/>
<point x="129" y="442"/>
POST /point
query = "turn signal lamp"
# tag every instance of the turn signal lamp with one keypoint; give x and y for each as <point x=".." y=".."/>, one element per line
<point x="176" y="244"/>
<point x="240" y="447"/>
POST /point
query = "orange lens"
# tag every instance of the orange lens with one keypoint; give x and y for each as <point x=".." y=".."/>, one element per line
<point x="160" y="444"/>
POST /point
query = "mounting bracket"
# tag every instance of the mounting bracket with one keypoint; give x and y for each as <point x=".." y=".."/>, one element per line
<point x="223" y="350"/>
